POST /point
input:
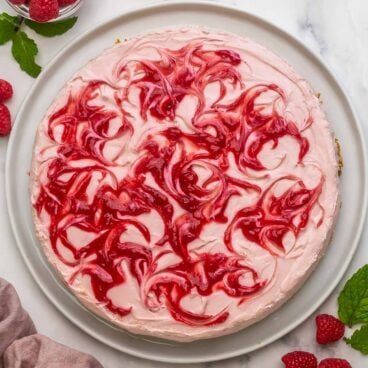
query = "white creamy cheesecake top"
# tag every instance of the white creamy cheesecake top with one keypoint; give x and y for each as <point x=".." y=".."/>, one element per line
<point x="184" y="183"/>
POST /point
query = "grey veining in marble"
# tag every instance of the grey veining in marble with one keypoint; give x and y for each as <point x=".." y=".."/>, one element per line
<point x="335" y="29"/>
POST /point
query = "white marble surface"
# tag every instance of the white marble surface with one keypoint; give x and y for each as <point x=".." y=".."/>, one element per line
<point x="337" y="30"/>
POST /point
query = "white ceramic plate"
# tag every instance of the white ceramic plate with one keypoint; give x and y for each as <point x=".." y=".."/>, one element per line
<point x="339" y="111"/>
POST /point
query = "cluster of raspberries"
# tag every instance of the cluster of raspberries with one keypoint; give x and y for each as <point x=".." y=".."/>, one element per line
<point x="44" y="10"/>
<point x="6" y="93"/>
<point x="329" y="330"/>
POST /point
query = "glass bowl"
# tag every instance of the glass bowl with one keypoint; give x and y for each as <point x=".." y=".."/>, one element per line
<point x="65" y="12"/>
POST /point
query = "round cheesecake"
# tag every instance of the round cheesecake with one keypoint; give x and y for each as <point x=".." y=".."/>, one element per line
<point x="185" y="183"/>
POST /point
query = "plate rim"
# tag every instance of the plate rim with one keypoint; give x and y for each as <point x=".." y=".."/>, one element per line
<point x="265" y="23"/>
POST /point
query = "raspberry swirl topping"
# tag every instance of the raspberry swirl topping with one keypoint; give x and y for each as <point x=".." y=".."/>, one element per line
<point x="141" y="163"/>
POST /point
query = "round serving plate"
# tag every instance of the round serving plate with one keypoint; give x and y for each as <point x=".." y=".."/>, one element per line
<point x="340" y="113"/>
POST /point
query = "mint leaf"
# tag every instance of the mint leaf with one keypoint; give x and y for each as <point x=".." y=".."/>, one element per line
<point x="24" y="50"/>
<point x="353" y="299"/>
<point x="359" y="340"/>
<point x="8" y="26"/>
<point x="53" y="28"/>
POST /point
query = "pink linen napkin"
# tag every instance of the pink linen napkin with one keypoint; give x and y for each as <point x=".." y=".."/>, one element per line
<point x="22" y="347"/>
<point x="15" y="322"/>
<point x="41" y="352"/>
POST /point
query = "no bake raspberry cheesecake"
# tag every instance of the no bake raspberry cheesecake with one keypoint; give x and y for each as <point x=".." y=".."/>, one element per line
<point x="185" y="183"/>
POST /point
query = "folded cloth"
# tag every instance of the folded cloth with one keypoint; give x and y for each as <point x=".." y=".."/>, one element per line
<point x="15" y="322"/>
<point x="22" y="347"/>
<point x="37" y="351"/>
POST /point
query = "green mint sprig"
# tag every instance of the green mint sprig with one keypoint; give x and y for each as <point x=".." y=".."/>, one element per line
<point x="359" y="340"/>
<point x="52" y="29"/>
<point x="8" y="27"/>
<point x="353" y="309"/>
<point x="353" y="299"/>
<point x="24" y="49"/>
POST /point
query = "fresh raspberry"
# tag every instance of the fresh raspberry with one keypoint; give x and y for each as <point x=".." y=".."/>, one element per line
<point x="299" y="359"/>
<point x="329" y="329"/>
<point x="66" y="2"/>
<point x="6" y="90"/>
<point x="5" y="121"/>
<point x="43" y="10"/>
<point x="334" y="363"/>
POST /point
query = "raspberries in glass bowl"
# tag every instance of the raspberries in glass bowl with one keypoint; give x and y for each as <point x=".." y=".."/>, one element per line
<point x="43" y="11"/>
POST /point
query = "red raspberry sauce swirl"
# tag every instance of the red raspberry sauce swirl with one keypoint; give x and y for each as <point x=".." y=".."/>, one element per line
<point x="239" y="128"/>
